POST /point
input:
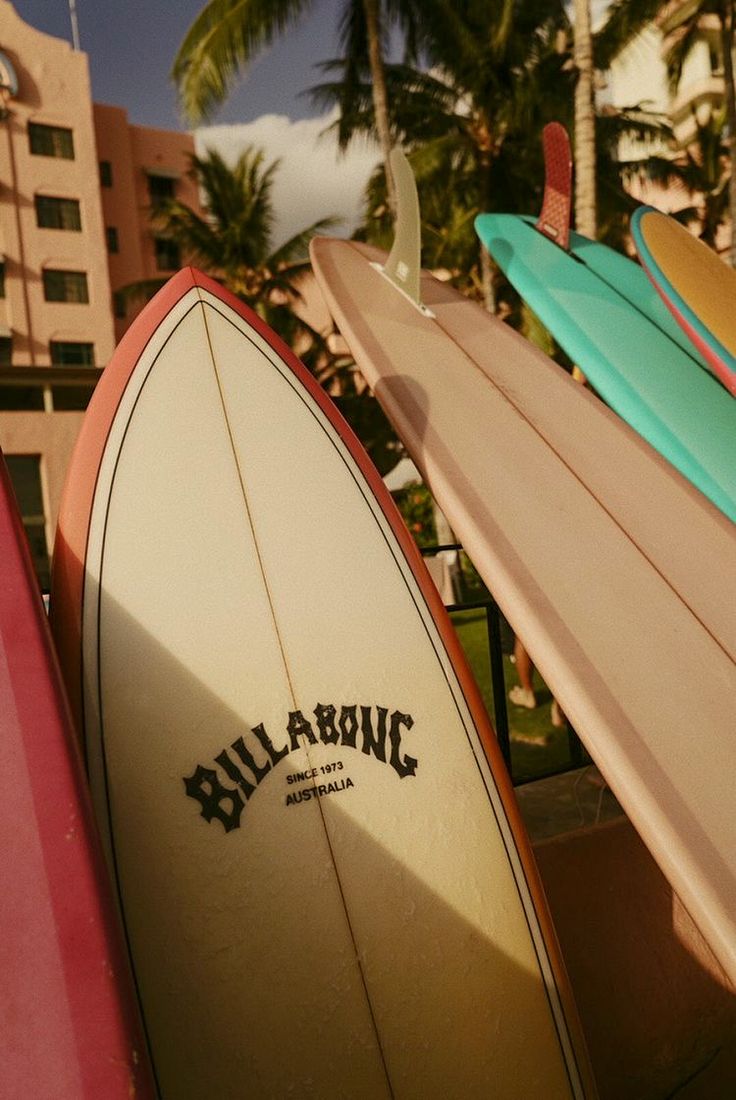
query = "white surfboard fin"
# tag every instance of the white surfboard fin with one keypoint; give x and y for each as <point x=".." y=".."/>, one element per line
<point x="403" y="265"/>
<point x="554" y="219"/>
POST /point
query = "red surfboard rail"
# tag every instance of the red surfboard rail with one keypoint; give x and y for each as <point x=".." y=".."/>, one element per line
<point x="69" y="1026"/>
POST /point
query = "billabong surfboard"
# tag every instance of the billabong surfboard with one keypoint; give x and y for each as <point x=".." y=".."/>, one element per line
<point x="695" y="285"/>
<point x="591" y="543"/>
<point x="324" y="880"/>
<point x="68" y="1019"/>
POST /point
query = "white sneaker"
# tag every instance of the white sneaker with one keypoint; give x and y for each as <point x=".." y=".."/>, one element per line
<point x="523" y="697"/>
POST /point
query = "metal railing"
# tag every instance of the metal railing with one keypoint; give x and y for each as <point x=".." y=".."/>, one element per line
<point x="497" y="679"/>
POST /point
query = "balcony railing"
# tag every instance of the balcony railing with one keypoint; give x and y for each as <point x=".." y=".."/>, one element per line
<point x="47" y="389"/>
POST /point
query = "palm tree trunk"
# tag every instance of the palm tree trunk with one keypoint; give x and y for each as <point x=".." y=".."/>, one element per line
<point x="486" y="274"/>
<point x="585" y="197"/>
<point x="730" y="94"/>
<point x="380" y="94"/>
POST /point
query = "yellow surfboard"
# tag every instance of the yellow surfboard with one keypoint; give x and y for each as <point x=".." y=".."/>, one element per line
<point x="697" y="287"/>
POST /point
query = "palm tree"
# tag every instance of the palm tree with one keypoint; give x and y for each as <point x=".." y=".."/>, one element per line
<point x="233" y="241"/>
<point x="701" y="170"/>
<point x="586" y="219"/>
<point x="497" y="75"/>
<point x="228" y="34"/>
<point x="628" y="17"/>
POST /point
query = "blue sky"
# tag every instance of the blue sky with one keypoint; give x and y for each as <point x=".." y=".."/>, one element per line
<point x="131" y="46"/>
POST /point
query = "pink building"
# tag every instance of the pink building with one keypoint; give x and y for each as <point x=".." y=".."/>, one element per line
<point x="78" y="184"/>
<point x="138" y="168"/>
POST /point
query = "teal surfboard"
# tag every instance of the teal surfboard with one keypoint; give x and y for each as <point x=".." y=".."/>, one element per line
<point x="631" y="281"/>
<point x="604" y="312"/>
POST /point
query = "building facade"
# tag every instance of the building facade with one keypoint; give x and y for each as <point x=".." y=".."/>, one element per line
<point x="639" y="76"/>
<point x="77" y="188"/>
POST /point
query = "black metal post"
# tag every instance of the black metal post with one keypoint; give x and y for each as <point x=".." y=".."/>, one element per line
<point x="498" y="680"/>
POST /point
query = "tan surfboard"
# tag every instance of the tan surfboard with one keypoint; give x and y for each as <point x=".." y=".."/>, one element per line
<point x="325" y="884"/>
<point x="616" y="572"/>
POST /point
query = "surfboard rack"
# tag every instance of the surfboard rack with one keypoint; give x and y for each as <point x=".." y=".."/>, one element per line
<point x="403" y="265"/>
<point x="554" y="219"/>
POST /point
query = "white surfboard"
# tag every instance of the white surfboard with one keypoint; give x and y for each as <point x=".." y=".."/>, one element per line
<point x="326" y="887"/>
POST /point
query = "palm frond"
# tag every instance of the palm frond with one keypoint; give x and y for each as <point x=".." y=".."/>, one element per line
<point x="625" y="20"/>
<point x="298" y="245"/>
<point x="222" y="40"/>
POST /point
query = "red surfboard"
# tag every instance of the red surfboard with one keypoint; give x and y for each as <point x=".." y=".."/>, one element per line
<point x="68" y="1021"/>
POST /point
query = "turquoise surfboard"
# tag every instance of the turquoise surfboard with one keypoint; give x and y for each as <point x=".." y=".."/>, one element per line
<point x="631" y="281"/>
<point x="604" y="312"/>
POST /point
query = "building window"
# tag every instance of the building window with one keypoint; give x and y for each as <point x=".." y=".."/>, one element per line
<point x="15" y="398"/>
<point x="105" y="173"/>
<point x="6" y="351"/>
<point x="71" y="398"/>
<point x="119" y="306"/>
<point x="51" y="141"/>
<point x="25" y="473"/>
<point x="65" y="286"/>
<point x="161" y="189"/>
<point x="111" y="233"/>
<point x="52" y="213"/>
<point x="72" y="353"/>
<point x="168" y="255"/>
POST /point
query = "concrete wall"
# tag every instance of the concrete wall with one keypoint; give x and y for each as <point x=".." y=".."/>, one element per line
<point x="658" y="1012"/>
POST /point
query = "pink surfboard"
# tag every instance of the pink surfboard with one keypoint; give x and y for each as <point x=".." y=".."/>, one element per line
<point x="68" y="1021"/>
<point x="611" y="567"/>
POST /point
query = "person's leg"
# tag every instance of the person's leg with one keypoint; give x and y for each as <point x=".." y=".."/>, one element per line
<point x="523" y="694"/>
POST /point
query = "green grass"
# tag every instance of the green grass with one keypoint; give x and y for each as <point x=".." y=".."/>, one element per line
<point x="537" y="748"/>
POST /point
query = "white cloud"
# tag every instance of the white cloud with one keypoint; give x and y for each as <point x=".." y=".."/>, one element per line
<point x="313" y="181"/>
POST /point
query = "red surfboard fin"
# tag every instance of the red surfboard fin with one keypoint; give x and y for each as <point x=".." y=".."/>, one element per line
<point x="554" y="220"/>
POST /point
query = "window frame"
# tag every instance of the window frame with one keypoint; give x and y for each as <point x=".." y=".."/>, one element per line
<point x="61" y="354"/>
<point x="56" y="146"/>
<point x="58" y="210"/>
<point x="34" y="522"/>
<point x="112" y="240"/>
<point x="49" y="274"/>
<point x="166" y="184"/>
<point x="167" y="253"/>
